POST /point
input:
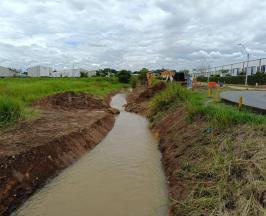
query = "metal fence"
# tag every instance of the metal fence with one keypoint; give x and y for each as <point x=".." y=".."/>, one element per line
<point x="234" y="69"/>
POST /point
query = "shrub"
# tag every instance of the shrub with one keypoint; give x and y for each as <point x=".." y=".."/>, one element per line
<point x="83" y="74"/>
<point x="10" y="110"/>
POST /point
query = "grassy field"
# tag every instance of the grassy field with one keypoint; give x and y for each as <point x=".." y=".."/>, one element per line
<point x="16" y="94"/>
<point x="226" y="166"/>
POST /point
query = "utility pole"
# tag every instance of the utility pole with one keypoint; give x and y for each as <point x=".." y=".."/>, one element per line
<point x="248" y="56"/>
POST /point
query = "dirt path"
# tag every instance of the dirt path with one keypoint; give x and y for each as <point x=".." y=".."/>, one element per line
<point x="32" y="152"/>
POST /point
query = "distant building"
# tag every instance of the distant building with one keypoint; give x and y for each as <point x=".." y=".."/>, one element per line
<point x="39" y="71"/>
<point x="6" y="72"/>
<point x="72" y="73"/>
<point x="91" y="73"/>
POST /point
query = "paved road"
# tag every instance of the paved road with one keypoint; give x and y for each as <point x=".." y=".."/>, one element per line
<point x="237" y="87"/>
<point x="256" y="99"/>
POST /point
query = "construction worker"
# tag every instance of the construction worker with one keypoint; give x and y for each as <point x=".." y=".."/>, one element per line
<point x="189" y="81"/>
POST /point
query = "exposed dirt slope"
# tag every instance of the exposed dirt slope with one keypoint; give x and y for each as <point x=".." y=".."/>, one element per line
<point x="32" y="152"/>
<point x="211" y="172"/>
<point x="137" y="101"/>
<point x="179" y="141"/>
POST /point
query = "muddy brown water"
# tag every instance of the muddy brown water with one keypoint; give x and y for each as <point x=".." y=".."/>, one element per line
<point x="122" y="176"/>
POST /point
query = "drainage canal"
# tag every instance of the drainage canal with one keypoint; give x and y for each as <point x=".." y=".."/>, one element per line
<point x="122" y="176"/>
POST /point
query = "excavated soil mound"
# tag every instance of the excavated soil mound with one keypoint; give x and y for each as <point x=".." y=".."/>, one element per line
<point x="72" y="100"/>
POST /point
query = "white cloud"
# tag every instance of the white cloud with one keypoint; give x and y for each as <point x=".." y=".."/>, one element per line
<point x="129" y="34"/>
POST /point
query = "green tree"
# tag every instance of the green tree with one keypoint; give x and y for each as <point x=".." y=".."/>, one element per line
<point x="142" y="75"/>
<point x="83" y="74"/>
<point x="124" y="76"/>
<point x="106" y="72"/>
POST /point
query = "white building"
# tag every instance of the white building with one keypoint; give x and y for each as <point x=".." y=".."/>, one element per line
<point x="72" y="73"/>
<point x="6" y="72"/>
<point x="39" y="71"/>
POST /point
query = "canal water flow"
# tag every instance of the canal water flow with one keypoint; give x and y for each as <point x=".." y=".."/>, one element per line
<point x="122" y="176"/>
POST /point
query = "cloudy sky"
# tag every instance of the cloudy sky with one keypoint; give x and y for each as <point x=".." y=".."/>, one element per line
<point x="132" y="34"/>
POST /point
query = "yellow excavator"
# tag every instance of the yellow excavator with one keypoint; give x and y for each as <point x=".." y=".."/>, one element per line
<point x="169" y="75"/>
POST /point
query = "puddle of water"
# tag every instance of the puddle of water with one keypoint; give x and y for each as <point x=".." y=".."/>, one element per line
<point x="122" y="176"/>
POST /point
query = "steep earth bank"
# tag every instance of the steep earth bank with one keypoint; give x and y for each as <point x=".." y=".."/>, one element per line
<point x="34" y="151"/>
<point x="137" y="101"/>
<point x="209" y="172"/>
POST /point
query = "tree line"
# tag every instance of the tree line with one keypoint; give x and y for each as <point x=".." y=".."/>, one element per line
<point x="124" y="76"/>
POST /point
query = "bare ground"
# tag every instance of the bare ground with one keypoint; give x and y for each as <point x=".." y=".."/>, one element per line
<point x="33" y="151"/>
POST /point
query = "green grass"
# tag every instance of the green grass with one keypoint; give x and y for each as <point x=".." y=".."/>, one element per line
<point x="17" y="94"/>
<point x="30" y="89"/>
<point x="172" y="95"/>
<point x="166" y="101"/>
<point x="199" y="105"/>
<point x="10" y="110"/>
<point x="155" y="81"/>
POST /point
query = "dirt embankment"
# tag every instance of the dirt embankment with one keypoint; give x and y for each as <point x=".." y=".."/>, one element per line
<point x="210" y="171"/>
<point x="32" y="152"/>
<point x="178" y="143"/>
<point x="137" y="101"/>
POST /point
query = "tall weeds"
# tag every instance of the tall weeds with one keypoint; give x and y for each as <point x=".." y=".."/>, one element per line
<point x="10" y="110"/>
